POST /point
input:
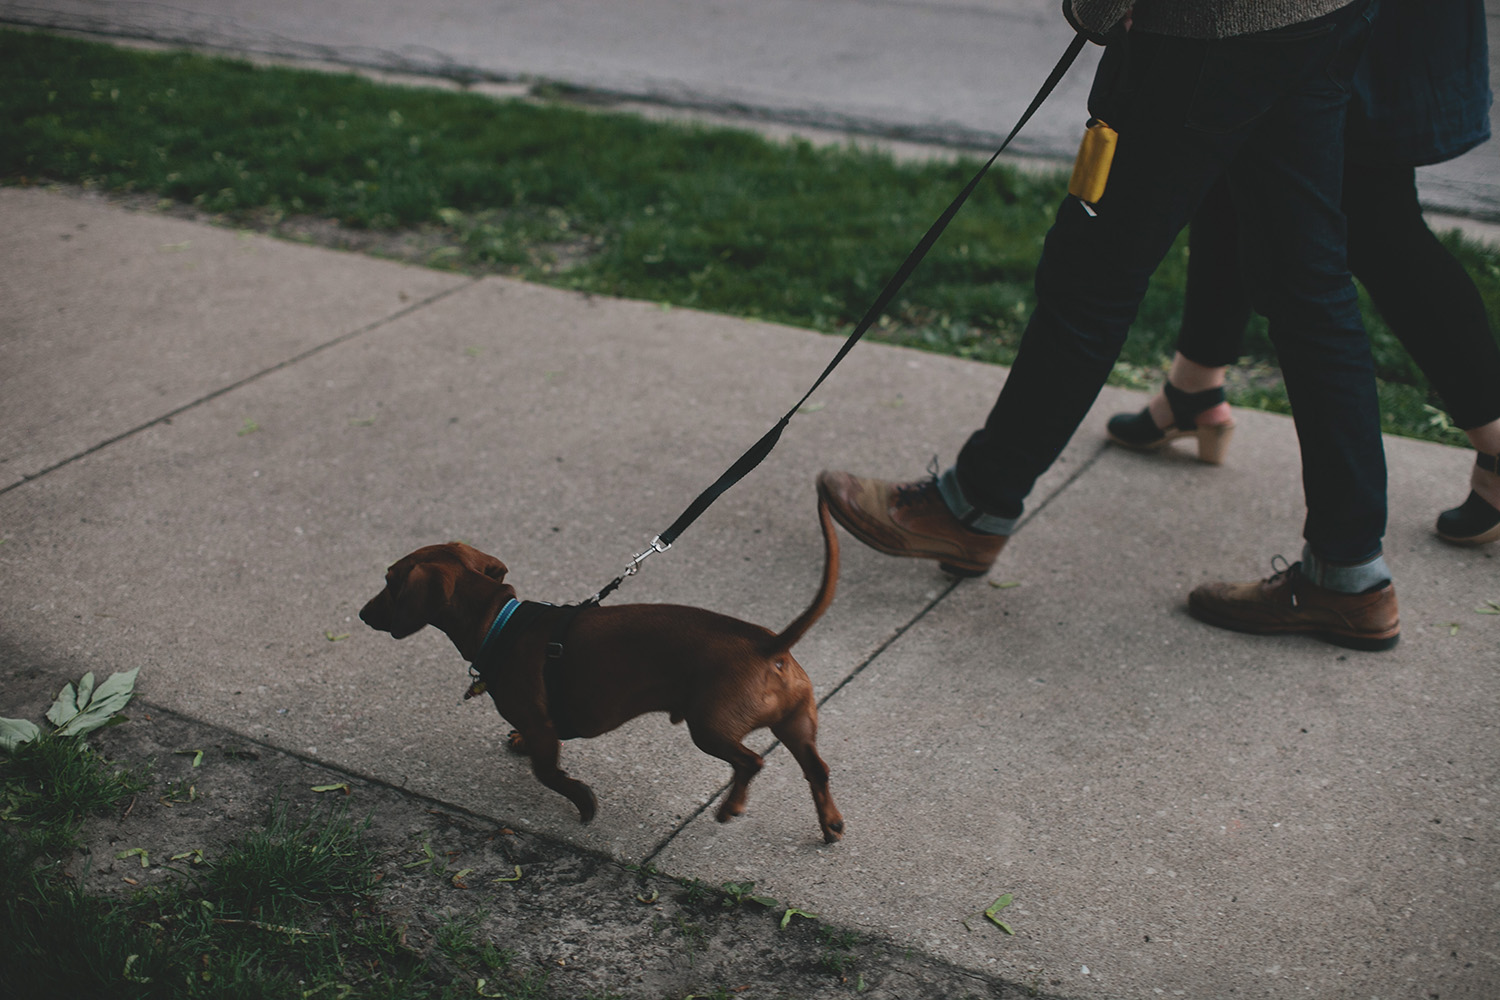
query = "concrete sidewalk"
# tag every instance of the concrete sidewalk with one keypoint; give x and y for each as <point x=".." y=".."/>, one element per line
<point x="212" y="444"/>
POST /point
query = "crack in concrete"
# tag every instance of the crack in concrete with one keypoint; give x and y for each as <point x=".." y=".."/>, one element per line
<point x="238" y="384"/>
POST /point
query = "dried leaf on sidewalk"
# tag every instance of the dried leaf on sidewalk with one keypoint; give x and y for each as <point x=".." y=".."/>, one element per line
<point x="995" y="908"/>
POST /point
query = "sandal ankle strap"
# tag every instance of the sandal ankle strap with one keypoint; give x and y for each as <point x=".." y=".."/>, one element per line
<point x="1186" y="406"/>
<point x="1489" y="463"/>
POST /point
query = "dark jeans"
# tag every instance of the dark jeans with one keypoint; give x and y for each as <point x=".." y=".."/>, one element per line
<point x="1266" y="111"/>
<point x="1421" y="290"/>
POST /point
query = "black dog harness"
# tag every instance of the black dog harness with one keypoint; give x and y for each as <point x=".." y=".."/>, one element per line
<point x="509" y="625"/>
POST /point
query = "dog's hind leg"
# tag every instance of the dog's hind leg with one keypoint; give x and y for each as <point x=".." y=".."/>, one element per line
<point x="799" y="732"/>
<point x="543" y="747"/>
<point x="746" y="763"/>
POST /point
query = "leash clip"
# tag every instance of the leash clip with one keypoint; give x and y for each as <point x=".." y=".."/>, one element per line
<point x="657" y="545"/>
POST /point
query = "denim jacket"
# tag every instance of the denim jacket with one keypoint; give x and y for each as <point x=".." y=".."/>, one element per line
<point x="1422" y="91"/>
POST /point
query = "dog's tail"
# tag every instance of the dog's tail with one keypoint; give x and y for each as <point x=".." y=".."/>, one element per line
<point x="789" y="635"/>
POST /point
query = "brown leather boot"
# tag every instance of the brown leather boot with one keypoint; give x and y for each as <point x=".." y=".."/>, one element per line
<point x="1289" y="602"/>
<point x="908" y="519"/>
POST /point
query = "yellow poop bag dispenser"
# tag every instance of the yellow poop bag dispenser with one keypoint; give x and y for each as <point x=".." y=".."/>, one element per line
<point x="1091" y="168"/>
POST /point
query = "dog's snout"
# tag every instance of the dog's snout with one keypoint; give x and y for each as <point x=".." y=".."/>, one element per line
<point x="370" y="613"/>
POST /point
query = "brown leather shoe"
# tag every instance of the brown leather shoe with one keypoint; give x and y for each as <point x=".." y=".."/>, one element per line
<point x="1289" y="602"/>
<point x="908" y="519"/>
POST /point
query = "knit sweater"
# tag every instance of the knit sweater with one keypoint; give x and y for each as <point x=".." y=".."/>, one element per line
<point x="1195" y="18"/>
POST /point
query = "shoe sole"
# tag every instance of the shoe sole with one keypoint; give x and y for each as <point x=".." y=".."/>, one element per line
<point x="944" y="563"/>
<point x="1213" y="441"/>
<point x="1363" y="643"/>
<point x="1483" y="538"/>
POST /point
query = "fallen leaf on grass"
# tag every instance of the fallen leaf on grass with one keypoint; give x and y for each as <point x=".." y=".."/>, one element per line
<point x="429" y="857"/>
<point x="995" y="908"/>
<point x="197" y="755"/>
<point x="510" y="878"/>
<point x="458" y="878"/>
<point x="125" y="973"/>
<point x="655" y="895"/>
<point x="340" y="787"/>
<point x="195" y="855"/>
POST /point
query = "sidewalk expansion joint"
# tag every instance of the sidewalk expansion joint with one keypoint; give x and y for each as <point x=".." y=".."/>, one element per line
<point x="224" y="390"/>
<point x="931" y="605"/>
<point x="859" y="668"/>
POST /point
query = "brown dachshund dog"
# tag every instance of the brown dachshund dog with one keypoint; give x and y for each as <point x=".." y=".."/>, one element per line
<point x="724" y="677"/>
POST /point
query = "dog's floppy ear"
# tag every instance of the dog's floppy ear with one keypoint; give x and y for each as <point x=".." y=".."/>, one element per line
<point x="483" y="562"/>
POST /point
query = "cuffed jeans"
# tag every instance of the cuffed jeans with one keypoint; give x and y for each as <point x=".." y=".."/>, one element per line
<point x="1267" y="111"/>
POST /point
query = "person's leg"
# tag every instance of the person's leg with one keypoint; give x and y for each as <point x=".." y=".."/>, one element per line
<point x="1093" y="273"/>
<point x="1216" y="302"/>
<point x="1286" y="186"/>
<point x="1183" y="115"/>
<point x="1215" y="309"/>
<point x="1436" y="312"/>
<point x="1092" y="276"/>
<point x="1422" y="291"/>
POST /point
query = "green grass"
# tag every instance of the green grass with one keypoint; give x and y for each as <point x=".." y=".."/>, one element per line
<point x="713" y="218"/>
<point x="285" y="866"/>
<point x="49" y="786"/>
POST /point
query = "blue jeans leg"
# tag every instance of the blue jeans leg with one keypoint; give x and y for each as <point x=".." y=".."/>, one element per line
<point x="1287" y="186"/>
<point x="1189" y="110"/>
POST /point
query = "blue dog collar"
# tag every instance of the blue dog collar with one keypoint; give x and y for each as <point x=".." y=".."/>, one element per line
<point x="498" y="625"/>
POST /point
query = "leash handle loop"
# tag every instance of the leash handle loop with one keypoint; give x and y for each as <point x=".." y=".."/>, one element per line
<point x="758" y="451"/>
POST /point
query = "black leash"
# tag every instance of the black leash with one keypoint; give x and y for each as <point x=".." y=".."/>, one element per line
<point x="758" y="451"/>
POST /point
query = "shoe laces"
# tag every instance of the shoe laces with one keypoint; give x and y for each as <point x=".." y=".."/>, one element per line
<point x="1285" y="569"/>
<point x="919" y="492"/>
<point x="1292" y="570"/>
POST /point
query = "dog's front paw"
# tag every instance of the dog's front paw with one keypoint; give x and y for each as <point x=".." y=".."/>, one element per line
<point x="516" y="743"/>
<point x="833" y="832"/>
